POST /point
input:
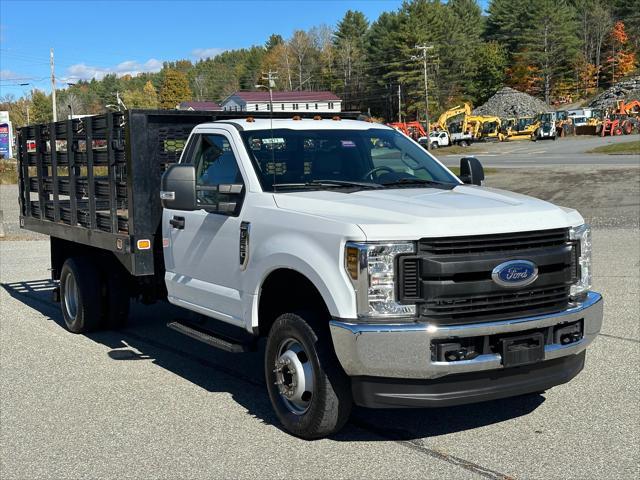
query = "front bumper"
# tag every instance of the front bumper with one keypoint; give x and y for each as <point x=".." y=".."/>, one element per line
<point x="403" y="350"/>
<point x="463" y="388"/>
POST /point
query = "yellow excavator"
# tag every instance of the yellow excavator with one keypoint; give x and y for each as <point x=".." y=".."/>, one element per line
<point x="523" y="128"/>
<point x="490" y="128"/>
<point x="443" y="120"/>
<point x="470" y="128"/>
<point x="460" y="132"/>
<point x="506" y="129"/>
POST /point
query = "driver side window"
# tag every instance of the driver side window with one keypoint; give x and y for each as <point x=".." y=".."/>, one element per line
<point x="215" y="165"/>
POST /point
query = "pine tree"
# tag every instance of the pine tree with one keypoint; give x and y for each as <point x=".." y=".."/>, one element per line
<point x="505" y="20"/>
<point x="432" y="23"/>
<point x="491" y="60"/>
<point x="549" y="41"/>
<point x="273" y="41"/>
<point x="380" y="42"/>
<point x="349" y="43"/>
<point x="466" y="30"/>
<point x="175" y="89"/>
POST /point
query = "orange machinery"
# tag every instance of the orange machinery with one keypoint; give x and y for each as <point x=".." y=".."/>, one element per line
<point x="412" y="129"/>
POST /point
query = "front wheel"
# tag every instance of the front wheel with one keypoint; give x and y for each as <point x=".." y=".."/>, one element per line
<point x="434" y="146"/>
<point x="309" y="391"/>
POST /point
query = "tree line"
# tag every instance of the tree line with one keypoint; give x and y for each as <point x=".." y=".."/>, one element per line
<point x="557" y="50"/>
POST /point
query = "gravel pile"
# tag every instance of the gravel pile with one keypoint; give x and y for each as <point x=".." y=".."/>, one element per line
<point x="508" y="102"/>
<point x="626" y="90"/>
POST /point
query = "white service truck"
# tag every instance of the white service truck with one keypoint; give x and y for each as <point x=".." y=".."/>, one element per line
<point x="436" y="139"/>
<point x="378" y="277"/>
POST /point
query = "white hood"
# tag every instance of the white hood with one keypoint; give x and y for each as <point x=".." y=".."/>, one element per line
<point x="413" y="213"/>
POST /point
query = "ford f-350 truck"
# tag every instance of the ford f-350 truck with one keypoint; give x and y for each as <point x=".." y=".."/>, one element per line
<point x="375" y="274"/>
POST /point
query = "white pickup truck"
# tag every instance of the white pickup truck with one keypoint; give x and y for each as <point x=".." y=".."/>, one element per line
<point x="436" y="139"/>
<point x="377" y="276"/>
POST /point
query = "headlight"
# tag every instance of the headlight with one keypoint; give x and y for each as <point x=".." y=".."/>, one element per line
<point x="372" y="270"/>
<point x="582" y="236"/>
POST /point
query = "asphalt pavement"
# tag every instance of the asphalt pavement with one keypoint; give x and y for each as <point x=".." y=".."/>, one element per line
<point x="564" y="151"/>
<point x="146" y="402"/>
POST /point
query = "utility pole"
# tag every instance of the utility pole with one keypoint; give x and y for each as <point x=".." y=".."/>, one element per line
<point x="119" y="101"/>
<point x="423" y="49"/>
<point x="399" y="105"/>
<point x="53" y="87"/>
<point x="270" y="77"/>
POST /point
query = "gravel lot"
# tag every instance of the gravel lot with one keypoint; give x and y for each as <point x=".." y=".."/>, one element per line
<point x="146" y="402"/>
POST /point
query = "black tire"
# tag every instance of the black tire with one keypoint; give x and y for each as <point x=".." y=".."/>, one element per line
<point x="434" y="146"/>
<point x="82" y="311"/>
<point x="463" y="143"/>
<point x="330" y="404"/>
<point x="116" y="298"/>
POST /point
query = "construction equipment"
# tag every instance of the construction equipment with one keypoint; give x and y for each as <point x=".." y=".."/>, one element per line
<point x="630" y="108"/>
<point x="461" y="132"/>
<point x="490" y="129"/>
<point x="564" y="124"/>
<point x="414" y="130"/>
<point x="451" y="113"/>
<point x="506" y="128"/>
<point x="469" y="128"/>
<point x="523" y="128"/>
<point x="545" y="126"/>
<point x="617" y="124"/>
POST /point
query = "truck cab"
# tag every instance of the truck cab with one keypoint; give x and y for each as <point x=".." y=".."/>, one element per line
<point x="377" y="276"/>
<point x="436" y="139"/>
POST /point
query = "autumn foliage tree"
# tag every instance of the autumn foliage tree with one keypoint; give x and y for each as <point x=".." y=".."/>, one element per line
<point x="621" y="60"/>
<point x="174" y="89"/>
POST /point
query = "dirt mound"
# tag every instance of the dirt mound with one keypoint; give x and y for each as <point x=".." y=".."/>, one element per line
<point x="625" y="90"/>
<point x="508" y="102"/>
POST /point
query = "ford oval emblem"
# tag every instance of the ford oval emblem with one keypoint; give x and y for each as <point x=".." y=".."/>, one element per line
<point x="515" y="273"/>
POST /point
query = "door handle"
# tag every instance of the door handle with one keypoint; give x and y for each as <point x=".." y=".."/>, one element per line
<point x="177" y="222"/>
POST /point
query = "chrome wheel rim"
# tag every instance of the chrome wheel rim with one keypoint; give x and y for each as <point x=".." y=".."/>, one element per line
<point x="294" y="376"/>
<point x="71" y="297"/>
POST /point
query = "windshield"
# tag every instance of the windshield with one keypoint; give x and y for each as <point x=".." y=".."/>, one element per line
<point x="375" y="157"/>
<point x="524" y="122"/>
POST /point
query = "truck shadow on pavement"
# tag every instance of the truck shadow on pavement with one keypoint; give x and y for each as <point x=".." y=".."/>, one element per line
<point x="146" y="338"/>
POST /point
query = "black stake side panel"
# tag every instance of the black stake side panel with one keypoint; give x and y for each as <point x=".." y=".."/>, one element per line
<point x="88" y="204"/>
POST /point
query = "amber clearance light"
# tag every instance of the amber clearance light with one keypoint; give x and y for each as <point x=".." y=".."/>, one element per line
<point x="352" y="255"/>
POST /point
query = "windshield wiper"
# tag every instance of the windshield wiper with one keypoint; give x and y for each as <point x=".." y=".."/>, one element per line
<point x="328" y="183"/>
<point x="419" y="181"/>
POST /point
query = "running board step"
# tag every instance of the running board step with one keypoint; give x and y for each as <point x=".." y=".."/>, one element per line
<point x="205" y="337"/>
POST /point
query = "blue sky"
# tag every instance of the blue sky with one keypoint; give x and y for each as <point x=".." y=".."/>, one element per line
<point x="91" y="38"/>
